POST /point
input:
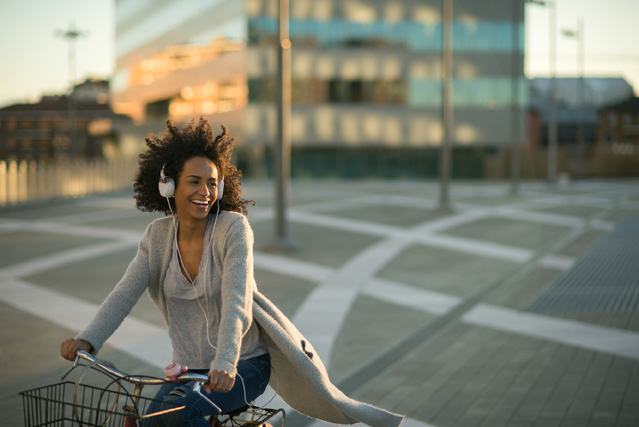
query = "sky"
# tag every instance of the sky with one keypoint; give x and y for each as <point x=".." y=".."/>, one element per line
<point x="35" y="60"/>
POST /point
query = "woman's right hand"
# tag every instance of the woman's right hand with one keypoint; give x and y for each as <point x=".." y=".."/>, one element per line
<point x="70" y="347"/>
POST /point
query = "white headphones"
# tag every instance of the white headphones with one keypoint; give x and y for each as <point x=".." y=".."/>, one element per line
<point x="167" y="186"/>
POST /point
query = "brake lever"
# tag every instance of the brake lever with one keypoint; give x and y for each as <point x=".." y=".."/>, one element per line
<point x="197" y="387"/>
<point x="75" y="364"/>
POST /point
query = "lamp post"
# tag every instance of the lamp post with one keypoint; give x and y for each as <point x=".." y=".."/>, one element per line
<point x="552" y="111"/>
<point x="71" y="35"/>
<point x="552" y="102"/>
<point x="282" y="152"/>
<point x="447" y="109"/>
<point x="515" y="158"/>
<point x="581" y="98"/>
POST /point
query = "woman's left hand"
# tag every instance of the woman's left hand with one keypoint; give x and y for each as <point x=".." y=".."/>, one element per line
<point x="220" y="381"/>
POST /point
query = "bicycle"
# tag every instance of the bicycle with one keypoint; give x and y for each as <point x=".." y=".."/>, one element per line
<point x="115" y="405"/>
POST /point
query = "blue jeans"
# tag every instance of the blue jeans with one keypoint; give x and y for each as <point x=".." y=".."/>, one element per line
<point x="255" y="372"/>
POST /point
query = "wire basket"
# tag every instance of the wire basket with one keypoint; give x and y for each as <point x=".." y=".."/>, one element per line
<point x="65" y="404"/>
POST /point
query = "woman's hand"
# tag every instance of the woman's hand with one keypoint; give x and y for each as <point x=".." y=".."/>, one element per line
<point x="70" y="347"/>
<point x="220" y="381"/>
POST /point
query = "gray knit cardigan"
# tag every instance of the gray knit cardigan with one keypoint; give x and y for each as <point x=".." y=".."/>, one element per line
<point x="302" y="380"/>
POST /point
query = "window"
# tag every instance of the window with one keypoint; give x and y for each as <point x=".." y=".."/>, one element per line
<point x="157" y="110"/>
<point x="612" y="118"/>
<point x="406" y="34"/>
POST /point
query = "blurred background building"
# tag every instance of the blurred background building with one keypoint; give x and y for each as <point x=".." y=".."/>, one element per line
<point x="578" y="102"/>
<point x="44" y="132"/>
<point x="366" y="80"/>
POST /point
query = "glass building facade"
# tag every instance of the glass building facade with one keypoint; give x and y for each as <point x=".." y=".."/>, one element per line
<point x="366" y="74"/>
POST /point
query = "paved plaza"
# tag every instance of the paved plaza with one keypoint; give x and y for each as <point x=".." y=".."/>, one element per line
<point x="502" y="311"/>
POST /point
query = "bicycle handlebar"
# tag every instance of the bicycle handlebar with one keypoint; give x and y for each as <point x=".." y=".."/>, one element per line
<point x="185" y="377"/>
<point x="198" y="379"/>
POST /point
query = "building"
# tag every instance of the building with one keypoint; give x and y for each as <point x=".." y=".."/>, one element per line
<point x="61" y="127"/>
<point x="619" y="124"/>
<point x="577" y="102"/>
<point x="366" y="79"/>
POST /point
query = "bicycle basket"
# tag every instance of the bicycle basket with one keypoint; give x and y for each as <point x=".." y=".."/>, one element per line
<point x="56" y="405"/>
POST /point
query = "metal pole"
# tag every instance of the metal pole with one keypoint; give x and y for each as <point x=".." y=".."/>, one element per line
<point x="582" y="102"/>
<point x="552" y="110"/>
<point x="71" y="35"/>
<point x="580" y="98"/>
<point x="515" y="158"/>
<point x="447" y="110"/>
<point x="72" y="108"/>
<point x="282" y="152"/>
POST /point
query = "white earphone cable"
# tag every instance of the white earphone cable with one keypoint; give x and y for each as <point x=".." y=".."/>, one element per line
<point x="205" y="312"/>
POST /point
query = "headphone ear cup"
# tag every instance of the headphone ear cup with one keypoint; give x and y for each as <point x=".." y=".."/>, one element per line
<point x="166" y="187"/>
<point x="166" y="184"/>
<point x="220" y="190"/>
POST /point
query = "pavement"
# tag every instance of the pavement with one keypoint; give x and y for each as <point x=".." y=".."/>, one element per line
<point x="502" y="311"/>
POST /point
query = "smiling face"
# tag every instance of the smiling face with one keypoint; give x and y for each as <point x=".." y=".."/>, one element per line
<point x="196" y="189"/>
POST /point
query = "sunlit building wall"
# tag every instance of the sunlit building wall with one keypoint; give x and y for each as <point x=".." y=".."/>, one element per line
<point x="180" y="59"/>
<point x="365" y="73"/>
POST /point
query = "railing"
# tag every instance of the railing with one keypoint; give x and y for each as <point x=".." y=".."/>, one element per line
<point x="22" y="182"/>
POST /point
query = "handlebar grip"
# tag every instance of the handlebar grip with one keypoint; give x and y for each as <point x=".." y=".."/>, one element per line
<point x="85" y="355"/>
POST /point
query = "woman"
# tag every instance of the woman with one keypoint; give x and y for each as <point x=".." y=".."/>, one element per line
<point x="209" y="318"/>
<point x="199" y="272"/>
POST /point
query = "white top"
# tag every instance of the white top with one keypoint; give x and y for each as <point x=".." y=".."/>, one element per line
<point x="194" y="310"/>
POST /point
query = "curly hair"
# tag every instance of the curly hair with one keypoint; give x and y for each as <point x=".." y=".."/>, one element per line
<point x="172" y="150"/>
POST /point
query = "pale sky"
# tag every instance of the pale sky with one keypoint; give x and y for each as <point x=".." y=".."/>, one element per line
<point x="35" y="60"/>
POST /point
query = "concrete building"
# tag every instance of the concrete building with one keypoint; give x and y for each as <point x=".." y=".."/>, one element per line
<point x="61" y="127"/>
<point x="366" y="79"/>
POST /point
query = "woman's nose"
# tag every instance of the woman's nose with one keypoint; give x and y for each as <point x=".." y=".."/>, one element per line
<point x="204" y="189"/>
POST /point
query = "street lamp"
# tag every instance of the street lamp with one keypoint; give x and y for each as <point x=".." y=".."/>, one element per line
<point x="71" y="35"/>
<point x="447" y="109"/>
<point x="579" y="36"/>
<point x="515" y="159"/>
<point x="552" y="102"/>
<point x="552" y="113"/>
<point x="282" y="158"/>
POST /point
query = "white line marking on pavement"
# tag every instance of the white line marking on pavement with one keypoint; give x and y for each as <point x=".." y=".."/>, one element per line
<point x="350" y="225"/>
<point x="450" y="221"/>
<point x="71" y="230"/>
<point x="539" y="217"/>
<point x="321" y="315"/>
<point x="558" y="262"/>
<point x="477" y="247"/>
<point x="409" y="296"/>
<point x="602" y="225"/>
<point x="565" y="331"/>
<point x="104" y="215"/>
<point x="291" y="267"/>
<point x="59" y="259"/>
<point x="136" y="337"/>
